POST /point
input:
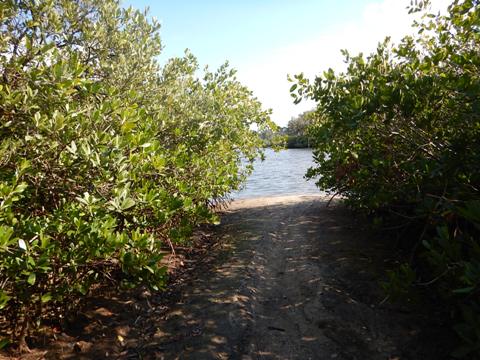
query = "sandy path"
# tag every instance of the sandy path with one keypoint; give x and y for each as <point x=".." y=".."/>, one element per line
<point x="297" y="282"/>
<point x="297" y="285"/>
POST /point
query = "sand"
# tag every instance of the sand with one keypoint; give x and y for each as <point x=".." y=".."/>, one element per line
<point x="294" y="279"/>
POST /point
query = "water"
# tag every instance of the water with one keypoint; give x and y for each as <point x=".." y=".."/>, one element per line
<point x="282" y="173"/>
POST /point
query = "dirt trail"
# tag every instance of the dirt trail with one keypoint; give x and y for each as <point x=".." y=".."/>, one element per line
<point x="298" y="282"/>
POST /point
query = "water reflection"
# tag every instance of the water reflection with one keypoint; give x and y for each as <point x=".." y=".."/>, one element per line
<point x="282" y="173"/>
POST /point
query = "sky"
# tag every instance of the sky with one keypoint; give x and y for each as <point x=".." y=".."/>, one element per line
<point x="264" y="40"/>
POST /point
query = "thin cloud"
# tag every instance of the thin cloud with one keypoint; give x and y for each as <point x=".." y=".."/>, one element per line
<point x="267" y="75"/>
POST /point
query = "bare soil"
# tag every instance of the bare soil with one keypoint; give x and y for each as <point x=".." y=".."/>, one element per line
<point x="284" y="278"/>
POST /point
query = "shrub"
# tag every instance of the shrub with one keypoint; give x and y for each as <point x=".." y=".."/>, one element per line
<point x="398" y="135"/>
<point x="104" y="154"/>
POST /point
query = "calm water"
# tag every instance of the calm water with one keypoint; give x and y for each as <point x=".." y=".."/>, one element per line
<point x="282" y="173"/>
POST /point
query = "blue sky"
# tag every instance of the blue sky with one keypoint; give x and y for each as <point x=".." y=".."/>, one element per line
<point x="239" y="30"/>
<point x="267" y="39"/>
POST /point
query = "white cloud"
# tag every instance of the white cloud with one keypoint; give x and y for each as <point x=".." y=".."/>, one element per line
<point x="267" y="74"/>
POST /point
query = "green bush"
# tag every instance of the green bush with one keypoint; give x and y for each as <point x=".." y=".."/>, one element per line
<point x="398" y="135"/>
<point x="297" y="131"/>
<point x="297" y="141"/>
<point x="104" y="154"/>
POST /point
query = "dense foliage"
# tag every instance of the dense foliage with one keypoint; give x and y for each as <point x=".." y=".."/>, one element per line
<point x="294" y="135"/>
<point x="297" y="130"/>
<point x="105" y="156"/>
<point x="398" y="135"/>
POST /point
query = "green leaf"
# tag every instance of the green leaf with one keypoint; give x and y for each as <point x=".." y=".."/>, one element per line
<point x="4" y="343"/>
<point x="215" y="220"/>
<point x="4" y="298"/>
<point x="6" y="233"/>
<point x="127" y="203"/>
<point x="46" y="297"/>
<point x="32" y="278"/>
<point x="21" y="188"/>
<point x="465" y="290"/>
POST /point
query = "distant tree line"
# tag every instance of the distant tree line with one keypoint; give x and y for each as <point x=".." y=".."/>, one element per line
<point x="295" y="135"/>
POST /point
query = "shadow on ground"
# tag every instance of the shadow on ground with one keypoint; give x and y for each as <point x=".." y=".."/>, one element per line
<point x="294" y="280"/>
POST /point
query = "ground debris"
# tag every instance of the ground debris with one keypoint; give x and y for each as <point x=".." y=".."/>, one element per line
<point x="271" y="269"/>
